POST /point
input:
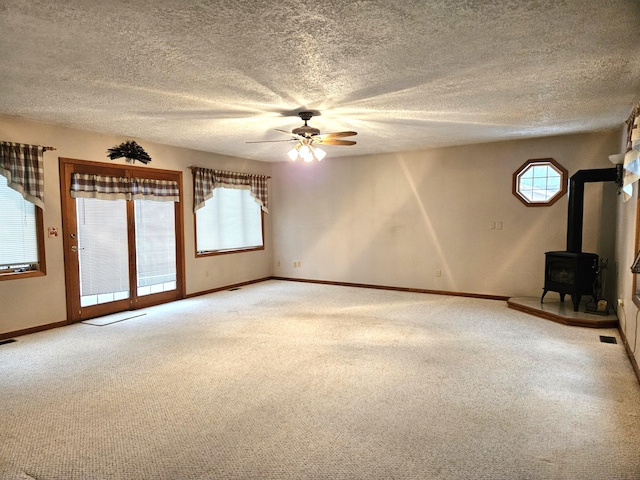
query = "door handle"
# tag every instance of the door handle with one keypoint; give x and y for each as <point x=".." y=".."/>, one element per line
<point x="74" y="248"/>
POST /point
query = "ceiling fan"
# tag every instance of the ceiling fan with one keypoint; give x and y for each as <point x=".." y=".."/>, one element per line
<point x="308" y="138"/>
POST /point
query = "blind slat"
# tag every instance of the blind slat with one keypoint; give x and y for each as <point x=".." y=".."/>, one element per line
<point x="18" y="235"/>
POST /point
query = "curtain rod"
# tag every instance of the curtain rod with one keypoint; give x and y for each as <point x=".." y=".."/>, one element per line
<point x="44" y="149"/>
<point x="193" y="167"/>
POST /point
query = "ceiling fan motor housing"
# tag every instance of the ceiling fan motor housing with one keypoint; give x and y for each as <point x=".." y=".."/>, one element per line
<point x="306" y="131"/>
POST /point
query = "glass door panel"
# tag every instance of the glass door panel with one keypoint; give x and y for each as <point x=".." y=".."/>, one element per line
<point x="103" y="252"/>
<point x="155" y="247"/>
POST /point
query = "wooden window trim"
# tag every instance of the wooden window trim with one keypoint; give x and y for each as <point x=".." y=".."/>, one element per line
<point x="42" y="263"/>
<point x="563" y="182"/>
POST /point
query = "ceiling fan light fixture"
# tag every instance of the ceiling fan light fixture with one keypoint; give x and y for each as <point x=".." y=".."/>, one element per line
<point x="309" y="137"/>
<point x="307" y="158"/>
<point x="293" y="154"/>
<point x="304" y="151"/>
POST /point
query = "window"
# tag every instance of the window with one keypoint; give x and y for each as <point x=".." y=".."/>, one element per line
<point x="540" y="182"/>
<point x="230" y="221"/>
<point x="21" y="235"/>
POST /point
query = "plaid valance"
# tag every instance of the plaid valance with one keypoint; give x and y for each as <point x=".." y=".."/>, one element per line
<point x="86" y="185"/>
<point x="22" y="166"/>
<point x="206" y="180"/>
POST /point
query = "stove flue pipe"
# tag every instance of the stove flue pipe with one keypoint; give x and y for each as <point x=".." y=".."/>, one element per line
<point x="576" y="202"/>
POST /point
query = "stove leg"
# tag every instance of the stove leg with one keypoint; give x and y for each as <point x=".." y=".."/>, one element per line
<point x="544" y="292"/>
<point x="562" y="298"/>
<point x="576" y="302"/>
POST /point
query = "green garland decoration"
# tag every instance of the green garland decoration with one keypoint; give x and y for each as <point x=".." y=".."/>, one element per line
<point x="131" y="151"/>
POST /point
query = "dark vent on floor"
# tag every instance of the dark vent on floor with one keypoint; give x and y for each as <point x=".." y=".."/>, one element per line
<point x="606" y="339"/>
<point x="4" y="342"/>
<point x="234" y="289"/>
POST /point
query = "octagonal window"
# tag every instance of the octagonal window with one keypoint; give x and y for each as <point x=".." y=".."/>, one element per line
<point x="540" y="182"/>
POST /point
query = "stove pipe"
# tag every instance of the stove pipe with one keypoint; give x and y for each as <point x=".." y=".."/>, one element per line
<point x="576" y="201"/>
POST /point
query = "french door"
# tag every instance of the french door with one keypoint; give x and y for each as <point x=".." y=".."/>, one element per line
<point x="119" y="254"/>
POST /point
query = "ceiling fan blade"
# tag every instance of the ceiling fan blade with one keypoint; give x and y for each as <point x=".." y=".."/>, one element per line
<point x="272" y="141"/>
<point x="283" y="131"/>
<point x="333" y="141"/>
<point x="291" y="134"/>
<point x="336" y="135"/>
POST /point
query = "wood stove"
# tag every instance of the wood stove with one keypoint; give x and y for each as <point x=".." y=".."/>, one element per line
<point x="570" y="273"/>
<point x="574" y="272"/>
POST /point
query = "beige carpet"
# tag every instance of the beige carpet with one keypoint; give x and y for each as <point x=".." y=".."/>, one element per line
<point x="285" y="380"/>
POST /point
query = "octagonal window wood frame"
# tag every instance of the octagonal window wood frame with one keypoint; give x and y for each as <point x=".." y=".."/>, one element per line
<point x="544" y="161"/>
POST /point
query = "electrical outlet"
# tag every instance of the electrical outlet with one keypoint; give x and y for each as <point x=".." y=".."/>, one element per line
<point x="278" y="264"/>
<point x="438" y="273"/>
<point x="621" y="302"/>
<point x="206" y="273"/>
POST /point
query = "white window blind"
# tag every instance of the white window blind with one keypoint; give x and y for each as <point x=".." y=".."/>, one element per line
<point x="18" y="232"/>
<point x="103" y="250"/>
<point x="155" y="246"/>
<point x="230" y="220"/>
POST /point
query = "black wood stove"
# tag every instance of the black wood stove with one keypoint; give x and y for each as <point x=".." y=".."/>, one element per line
<point x="574" y="272"/>
<point x="570" y="273"/>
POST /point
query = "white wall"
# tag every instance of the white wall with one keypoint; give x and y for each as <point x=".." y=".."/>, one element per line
<point x="394" y="219"/>
<point x="391" y="219"/>
<point x="625" y="254"/>
<point x="31" y="302"/>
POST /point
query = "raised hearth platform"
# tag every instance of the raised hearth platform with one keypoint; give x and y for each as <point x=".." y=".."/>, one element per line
<point x="559" y="312"/>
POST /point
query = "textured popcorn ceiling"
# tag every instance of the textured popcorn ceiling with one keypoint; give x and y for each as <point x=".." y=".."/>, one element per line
<point x="406" y="75"/>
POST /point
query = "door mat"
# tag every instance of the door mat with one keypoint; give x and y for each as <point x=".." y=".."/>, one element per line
<point x="111" y="319"/>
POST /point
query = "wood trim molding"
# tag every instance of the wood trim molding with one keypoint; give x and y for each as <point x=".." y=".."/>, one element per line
<point x="26" y="331"/>
<point x="228" y="287"/>
<point x="42" y="257"/>
<point x="564" y="181"/>
<point x="397" y="289"/>
<point x="49" y="326"/>
<point x="264" y="279"/>
<point x="632" y="358"/>
<point x="574" y="322"/>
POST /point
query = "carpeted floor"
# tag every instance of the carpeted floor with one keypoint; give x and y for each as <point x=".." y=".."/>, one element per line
<point x="286" y="380"/>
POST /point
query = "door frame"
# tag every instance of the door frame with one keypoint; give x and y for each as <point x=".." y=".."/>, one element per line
<point x="76" y="313"/>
